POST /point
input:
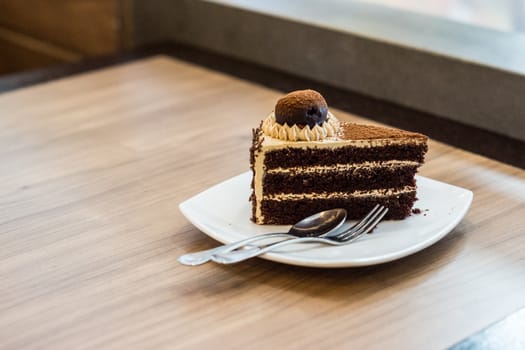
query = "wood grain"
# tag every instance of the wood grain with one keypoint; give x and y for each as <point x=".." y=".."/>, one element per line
<point x="93" y="170"/>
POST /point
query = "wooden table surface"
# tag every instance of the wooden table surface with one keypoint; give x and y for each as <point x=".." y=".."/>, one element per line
<point x="94" y="167"/>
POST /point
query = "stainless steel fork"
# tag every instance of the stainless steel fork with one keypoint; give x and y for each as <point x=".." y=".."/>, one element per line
<point x="367" y="224"/>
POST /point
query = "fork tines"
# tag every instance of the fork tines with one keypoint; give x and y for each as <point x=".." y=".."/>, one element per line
<point x="367" y="224"/>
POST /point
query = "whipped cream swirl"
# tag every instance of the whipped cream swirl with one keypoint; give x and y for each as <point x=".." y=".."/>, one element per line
<point x="285" y="132"/>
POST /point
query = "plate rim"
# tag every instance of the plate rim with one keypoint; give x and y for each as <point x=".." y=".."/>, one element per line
<point x="282" y="257"/>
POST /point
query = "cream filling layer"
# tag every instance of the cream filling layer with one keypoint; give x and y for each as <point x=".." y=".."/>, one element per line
<point x="295" y="133"/>
<point x="270" y="143"/>
<point x="340" y="195"/>
<point x="343" y="167"/>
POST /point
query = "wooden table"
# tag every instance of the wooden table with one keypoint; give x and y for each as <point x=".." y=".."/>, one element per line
<point x="94" y="167"/>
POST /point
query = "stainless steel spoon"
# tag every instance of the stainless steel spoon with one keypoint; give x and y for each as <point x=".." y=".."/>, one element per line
<point x="316" y="225"/>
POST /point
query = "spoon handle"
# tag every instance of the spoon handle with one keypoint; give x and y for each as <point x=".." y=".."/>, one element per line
<point x="198" y="258"/>
<point x="231" y="257"/>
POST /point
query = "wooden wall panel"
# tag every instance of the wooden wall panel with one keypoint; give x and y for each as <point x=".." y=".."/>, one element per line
<point x="15" y="58"/>
<point x="90" y="27"/>
<point x="21" y="52"/>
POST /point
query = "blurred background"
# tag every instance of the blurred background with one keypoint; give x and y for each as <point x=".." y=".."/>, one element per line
<point x="460" y="60"/>
<point x="39" y="33"/>
<point x="503" y="15"/>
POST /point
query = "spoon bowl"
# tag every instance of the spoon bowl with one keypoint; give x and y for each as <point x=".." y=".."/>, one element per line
<point x="317" y="225"/>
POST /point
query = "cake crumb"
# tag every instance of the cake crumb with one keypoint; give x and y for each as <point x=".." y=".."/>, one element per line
<point x="416" y="211"/>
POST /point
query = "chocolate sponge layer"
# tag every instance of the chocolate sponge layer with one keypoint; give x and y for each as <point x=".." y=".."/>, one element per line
<point x="295" y="157"/>
<point x="339" y="181"/>
<point x="288" y="212"/>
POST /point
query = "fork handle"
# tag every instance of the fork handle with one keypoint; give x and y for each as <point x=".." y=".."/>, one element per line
<point x="204" y="256"/>
<point x="232" y="257"/>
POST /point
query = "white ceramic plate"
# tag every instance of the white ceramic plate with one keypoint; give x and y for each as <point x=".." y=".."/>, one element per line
<point x="223" y="213"/>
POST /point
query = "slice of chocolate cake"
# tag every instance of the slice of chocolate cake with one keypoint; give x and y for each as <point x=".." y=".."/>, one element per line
<point x="304" y="161"/>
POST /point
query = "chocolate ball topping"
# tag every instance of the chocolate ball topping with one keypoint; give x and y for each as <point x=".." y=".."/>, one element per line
<point x="302" y="107"/>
